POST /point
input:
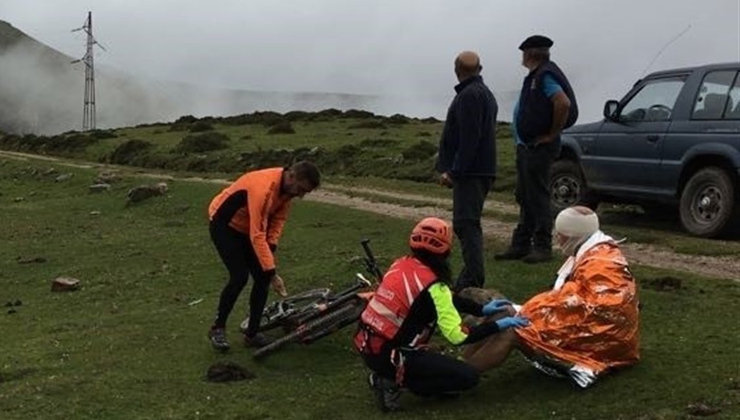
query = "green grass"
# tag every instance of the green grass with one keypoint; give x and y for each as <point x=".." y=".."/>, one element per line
<point x="129" y="345"/>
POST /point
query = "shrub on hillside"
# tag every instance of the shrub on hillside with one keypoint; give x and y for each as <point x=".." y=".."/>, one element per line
<point x="203" y="143"/>
<point x="430" y="120"/>
<point x="297" y="115"/>
<point x="283" y="127"/>
<point x="357" y="113"/>
<point x="199" y="127"/>
<point x="186" y="119"/>
<point x="129" y="150"/>
<point x="421" y="150"/>
<point x="372" y="124"/>
<point x="103" y="134"/>
<point x="398" y="119"/>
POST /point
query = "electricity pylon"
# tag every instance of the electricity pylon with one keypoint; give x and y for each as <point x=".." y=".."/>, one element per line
<point x="88" y="118"/>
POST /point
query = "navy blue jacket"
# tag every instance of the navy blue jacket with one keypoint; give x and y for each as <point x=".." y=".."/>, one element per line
<point x="468" y="143"/>
<point x="535" y="109"/>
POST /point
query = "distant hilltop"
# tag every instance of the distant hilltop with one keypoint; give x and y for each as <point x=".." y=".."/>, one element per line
<point x="41" y="92"/>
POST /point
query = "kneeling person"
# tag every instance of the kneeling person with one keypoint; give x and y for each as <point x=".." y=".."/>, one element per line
<point x="413" y="298"/>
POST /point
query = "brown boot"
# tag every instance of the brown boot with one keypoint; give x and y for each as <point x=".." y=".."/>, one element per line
<point x="538" y="256"/>
<point x="512" y="254"/>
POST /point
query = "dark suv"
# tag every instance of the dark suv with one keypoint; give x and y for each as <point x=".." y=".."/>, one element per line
<point x="674" y="139"/>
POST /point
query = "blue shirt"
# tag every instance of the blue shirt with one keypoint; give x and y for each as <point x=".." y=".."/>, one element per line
<point x="550" y="86"/>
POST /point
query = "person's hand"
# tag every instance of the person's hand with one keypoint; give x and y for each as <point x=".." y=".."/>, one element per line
<point x="446" y="180"/>
<point x="278" y="285"/>
<point x="495" y="306"/>
<point x="512" y="322"/>
<point x="545" y="138"/>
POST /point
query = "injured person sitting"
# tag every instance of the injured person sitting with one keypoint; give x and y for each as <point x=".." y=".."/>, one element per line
<point x="588" y="323"/>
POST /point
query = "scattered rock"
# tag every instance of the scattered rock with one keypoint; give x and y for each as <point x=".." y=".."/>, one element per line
<point x="143" y="192"/>
<point x="18" y="199"/>
<point x="107" y="178"/>
<point x="701" y="409"/>
<point x="95" y="213"/>
<point x="227" y="371"/>
<point x="63" y="177"/>
<point x="33" y="260"/>
<point x="11" y="311"/>
<point x="17" y="302"/>
<point x="96" y="188"/>
<point x="64" y="284"/>
<point x="50" y="171"/>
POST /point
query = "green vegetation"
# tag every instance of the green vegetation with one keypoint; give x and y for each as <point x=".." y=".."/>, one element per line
<point x="131" y="343"/>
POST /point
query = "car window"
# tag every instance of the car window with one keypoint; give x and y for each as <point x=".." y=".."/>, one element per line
<point x="654" y="101"/>
<point x="715" y="100"/>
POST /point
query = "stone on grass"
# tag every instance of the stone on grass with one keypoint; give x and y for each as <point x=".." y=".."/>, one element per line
<point x="64" y="284"/>
<point x="144" y="192"/>
<point x="96" y="188"/>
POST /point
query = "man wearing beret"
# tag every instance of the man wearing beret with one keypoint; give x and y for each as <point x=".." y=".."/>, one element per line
<point x="546" y="106"/>
<point x="467" y="162"/>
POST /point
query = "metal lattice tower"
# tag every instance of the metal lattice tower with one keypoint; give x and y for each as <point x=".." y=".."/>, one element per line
<point x="88" y="118"/>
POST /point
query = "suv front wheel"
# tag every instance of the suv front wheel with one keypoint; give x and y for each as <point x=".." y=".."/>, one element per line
<point x="708" y="203"/>
<point x="567" y="186"/>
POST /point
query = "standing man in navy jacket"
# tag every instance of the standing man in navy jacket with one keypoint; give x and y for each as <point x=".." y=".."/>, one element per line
<point x="546" y="106"/>
<point x="467" y="162"/>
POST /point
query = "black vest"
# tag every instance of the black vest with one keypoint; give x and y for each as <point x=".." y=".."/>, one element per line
<point x="534" y="116"/>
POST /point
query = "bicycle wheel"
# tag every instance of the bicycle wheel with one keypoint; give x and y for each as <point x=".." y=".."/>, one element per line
<point x="351" y="317"/>
<point x="319" y="324"/>
<point x="283" y="311"/>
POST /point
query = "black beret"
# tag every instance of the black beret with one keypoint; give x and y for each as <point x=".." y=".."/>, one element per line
<point x="536" y="41"/>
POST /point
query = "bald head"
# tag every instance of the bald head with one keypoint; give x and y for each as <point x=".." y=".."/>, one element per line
<point x="467" y="64"/>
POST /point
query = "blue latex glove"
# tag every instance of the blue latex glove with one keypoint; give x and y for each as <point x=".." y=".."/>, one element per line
<point x="495" y="306"/>
<point x="512" y="322"/>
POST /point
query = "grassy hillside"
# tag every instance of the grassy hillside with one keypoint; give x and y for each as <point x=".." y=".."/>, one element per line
<point x="131" y="343"/>
<point x="354" y="143"/>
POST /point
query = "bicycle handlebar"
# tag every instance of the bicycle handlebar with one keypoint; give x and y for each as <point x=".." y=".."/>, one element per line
<point x="370" y="263"/>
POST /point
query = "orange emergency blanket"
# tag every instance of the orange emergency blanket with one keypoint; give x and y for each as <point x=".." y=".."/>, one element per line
<point x="589" y="322"/>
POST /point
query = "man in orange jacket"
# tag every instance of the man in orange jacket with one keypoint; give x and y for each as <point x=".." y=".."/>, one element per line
<point x="246" y="221"/>
<point x="588" y="323"/>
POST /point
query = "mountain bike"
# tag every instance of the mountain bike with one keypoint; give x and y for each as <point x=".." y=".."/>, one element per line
<point x="313" y="314"/>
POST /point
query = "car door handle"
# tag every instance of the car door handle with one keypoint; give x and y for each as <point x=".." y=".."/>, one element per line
<point x="652" y="138"/>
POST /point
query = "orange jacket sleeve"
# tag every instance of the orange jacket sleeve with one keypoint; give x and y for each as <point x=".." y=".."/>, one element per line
<point x="276" y="224"/>
<point x="258" y="205"/>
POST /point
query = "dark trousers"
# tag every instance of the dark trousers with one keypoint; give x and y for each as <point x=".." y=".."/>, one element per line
<point x="426" y="373"/>
<point x="533" y="196"/>
<point x="468" y="196"/>
<point x="238" y="256"/>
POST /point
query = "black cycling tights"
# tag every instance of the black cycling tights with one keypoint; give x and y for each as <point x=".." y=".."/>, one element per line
<point x="427" y="373"/>
<point x="238" y="255"/>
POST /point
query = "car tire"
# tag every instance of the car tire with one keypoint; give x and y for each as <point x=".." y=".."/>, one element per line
<point x="708" y="206"/>
<point x="568" y="187"/>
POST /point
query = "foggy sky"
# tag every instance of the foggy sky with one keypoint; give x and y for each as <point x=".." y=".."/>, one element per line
<point x="383" y="47"/>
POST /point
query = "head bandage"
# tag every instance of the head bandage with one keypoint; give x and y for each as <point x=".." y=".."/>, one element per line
<point x="576" y="224"/>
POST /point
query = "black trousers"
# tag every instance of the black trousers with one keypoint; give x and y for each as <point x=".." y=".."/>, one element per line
<point x="468" y="197"/>
<point x="534" y="228"/>
<point x="426" y="373"/>
<point x="238" y="256"/>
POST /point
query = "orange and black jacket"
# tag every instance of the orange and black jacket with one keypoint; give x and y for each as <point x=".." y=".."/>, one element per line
<point x="254" y="206"/>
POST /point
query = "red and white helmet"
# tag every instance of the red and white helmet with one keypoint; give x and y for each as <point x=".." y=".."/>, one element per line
<point x="431" y="234"/>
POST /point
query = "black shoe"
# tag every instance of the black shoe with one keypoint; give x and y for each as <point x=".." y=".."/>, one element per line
<point x="512" y="254"/>
<point x="258" y="340"/>
<point x="218" y="339"/>
<point x="538" y="256"/>
<point x="387" y="393"/>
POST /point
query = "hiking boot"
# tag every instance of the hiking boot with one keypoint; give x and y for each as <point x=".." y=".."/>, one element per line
<point x="218" y="339"/>
<point x="512" y="254"/>
<point x="538" y="256"/>
<point x="258" y="340"/>
<point x="387" y="393"/>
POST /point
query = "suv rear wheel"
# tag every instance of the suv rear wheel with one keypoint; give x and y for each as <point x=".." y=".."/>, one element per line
<point x="567" y="186"/>
<point x="708" y="203"/>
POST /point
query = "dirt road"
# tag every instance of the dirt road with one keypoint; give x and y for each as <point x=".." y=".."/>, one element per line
<point x="643" y="254"/>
